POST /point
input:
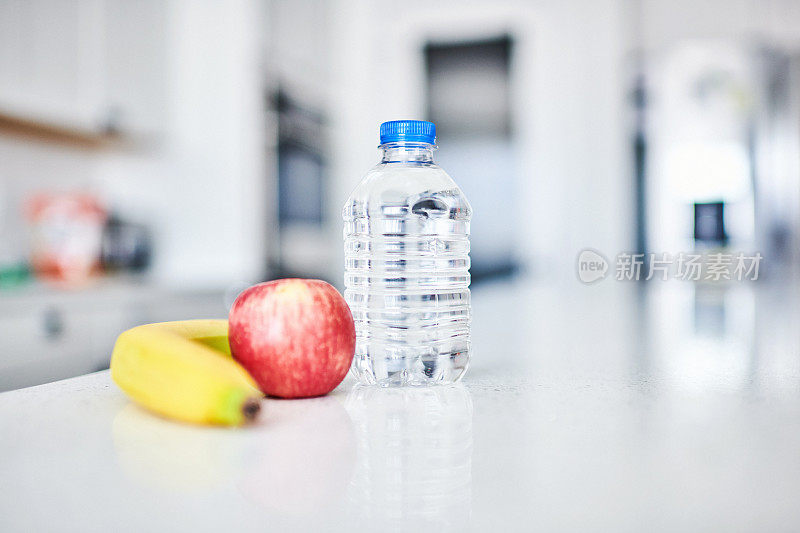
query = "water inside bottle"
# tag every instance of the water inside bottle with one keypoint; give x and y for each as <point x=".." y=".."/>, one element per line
<point x="407" y="275"/>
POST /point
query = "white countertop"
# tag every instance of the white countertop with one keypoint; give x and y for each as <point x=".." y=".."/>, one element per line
<point x="595" y="408"/>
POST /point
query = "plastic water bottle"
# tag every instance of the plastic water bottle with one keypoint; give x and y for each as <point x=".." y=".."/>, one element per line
<point x="406" y="240"/>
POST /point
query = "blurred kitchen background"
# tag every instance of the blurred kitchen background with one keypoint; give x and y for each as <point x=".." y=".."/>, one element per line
<point x="156" y="157"/>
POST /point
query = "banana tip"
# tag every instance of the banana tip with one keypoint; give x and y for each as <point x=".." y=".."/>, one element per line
<point x="251" y="408"/>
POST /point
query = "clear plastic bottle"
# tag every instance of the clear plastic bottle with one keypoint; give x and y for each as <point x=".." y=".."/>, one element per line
<point x="406" y="233"/>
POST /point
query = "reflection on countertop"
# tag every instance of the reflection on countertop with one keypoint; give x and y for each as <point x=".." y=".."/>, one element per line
<point x="415" y="456"/>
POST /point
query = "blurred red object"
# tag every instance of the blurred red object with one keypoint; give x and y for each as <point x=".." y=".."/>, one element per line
<point x="67" y="232"/>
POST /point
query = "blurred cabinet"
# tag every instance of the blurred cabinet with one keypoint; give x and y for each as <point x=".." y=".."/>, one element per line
<point x="91" y="65"/>
<point x="55" y="342"/>
<point x="50" y="335"/>
<point x="51" y="60"/>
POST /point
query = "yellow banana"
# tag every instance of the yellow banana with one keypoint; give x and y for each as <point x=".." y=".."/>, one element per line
<point x="184" y="370"/>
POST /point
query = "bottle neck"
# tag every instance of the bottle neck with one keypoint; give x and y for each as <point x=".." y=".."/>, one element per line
<point x="407" y="152"/>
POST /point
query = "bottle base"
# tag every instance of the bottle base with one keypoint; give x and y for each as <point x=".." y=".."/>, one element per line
<point x="419" y="373"/>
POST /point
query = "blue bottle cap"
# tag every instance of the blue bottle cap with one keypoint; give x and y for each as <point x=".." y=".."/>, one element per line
<point x="408" y="131"/>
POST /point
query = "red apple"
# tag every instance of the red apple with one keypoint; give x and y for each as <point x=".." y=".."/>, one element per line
<point x="296" y="337"/>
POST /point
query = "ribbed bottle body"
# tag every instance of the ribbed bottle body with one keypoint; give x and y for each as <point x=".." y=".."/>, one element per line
<point x="406" y="234"/>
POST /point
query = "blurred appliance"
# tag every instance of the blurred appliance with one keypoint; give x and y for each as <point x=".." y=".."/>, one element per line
<point x="468" y="98"/>
<point x="302" y="243"/>
<point x="126" y="246"/>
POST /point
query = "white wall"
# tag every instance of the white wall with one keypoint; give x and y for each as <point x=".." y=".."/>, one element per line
<point x="204" y="186"/>
<point x="215" y="147"/>
<point x="771" y="22"/>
